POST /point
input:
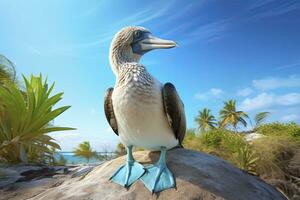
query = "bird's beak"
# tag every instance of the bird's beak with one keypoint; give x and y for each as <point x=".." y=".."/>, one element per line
<point x="151" y="42"/>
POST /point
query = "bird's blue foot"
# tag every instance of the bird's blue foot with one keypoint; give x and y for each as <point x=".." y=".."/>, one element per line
<point x="158" y="177"/>
<point x="128" y="173"/>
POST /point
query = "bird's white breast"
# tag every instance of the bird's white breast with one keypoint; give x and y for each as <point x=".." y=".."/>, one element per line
<point x="138" y="107"/>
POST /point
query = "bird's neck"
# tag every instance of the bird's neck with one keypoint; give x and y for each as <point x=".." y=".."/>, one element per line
<point x="121" y="55"/>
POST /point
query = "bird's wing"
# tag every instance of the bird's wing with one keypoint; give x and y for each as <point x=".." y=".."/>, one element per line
<point x="174" y="109"/>
<point x="109" y="110"/>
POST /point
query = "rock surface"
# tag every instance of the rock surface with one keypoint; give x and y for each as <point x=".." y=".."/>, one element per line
<point x="24" y="182"/>
<point x="198" y="176"/>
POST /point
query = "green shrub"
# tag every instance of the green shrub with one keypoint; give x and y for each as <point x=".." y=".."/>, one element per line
<point x="191" y="140"/>
<point x="212" y="139"/>
<point x="280" y="129"/>
<point x="246" y="159"/>
<point x="225" y="144"/>
<point x="222" y="139"/>
<point x="25" y="120"/>
<point x="121" y="150"/>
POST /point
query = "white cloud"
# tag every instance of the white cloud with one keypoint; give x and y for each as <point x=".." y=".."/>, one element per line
<point x="67" y="140"/>
<point x="213" y="92"/>
<point x="216" y="91"/>
<point x="265" y="100"/>
<point x="288" y="118"/>
<point x="244" y="92"/>
<point x="289" y="99"/>
<point x="275" y="82"/>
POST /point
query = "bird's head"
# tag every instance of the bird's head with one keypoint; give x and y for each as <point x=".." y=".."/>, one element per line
<point x="130" y="43"/>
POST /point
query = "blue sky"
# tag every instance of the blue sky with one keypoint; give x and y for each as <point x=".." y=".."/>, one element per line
<point x="245" y="50"/>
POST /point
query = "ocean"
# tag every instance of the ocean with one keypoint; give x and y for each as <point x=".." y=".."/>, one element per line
<point x="72" y="159"/>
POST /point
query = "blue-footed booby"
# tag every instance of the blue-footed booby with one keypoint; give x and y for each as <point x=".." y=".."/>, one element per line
<point x="142" y="111"/>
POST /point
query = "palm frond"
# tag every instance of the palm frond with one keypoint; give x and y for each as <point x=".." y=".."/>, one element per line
<point x="230" y="116"/>
<point x="205" y="120"/>
<point x="260" y="118"/>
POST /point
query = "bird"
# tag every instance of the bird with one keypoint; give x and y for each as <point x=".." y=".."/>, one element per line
<point x="141" y="110"/>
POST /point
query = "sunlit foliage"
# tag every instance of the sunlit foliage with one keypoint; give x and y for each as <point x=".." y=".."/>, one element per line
<point x="85" y="150"/>
<point x="205" y="120"/>
<point x="260" y="118"/>
<point x="7" y="71"/>
<point x="25" y="120"/>
<point x="230" y="116"/>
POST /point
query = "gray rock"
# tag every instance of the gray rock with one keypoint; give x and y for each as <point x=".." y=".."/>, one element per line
<point x="198" y="176"/>
<point x="8" y="176"/>
<point x="13" y="173"/>
<point x="82" y="171"/>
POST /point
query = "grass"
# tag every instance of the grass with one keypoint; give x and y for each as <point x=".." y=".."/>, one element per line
<point x="225" y="144"/>
<point x="275" y="153"/>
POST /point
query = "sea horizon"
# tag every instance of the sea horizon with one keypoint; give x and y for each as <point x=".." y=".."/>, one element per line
<point x="72" y="159"/>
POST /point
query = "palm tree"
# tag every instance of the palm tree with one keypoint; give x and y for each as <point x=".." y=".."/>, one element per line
<point x="205" y="120"/>
<point x="7" y="70"/>
<point x="85" y="150"/>
<point x="230" y="116"/>
<point x="121" y="150"/>
<point x="260" y="118"/>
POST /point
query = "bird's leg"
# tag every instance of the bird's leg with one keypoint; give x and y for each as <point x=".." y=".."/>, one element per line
<point x="129" y="172"/>
<point x="158" y="177"/>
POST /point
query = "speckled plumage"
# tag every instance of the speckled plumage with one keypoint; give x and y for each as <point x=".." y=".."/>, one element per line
<point x="138" y="106"/>
<point x="135" y="82"/>
<point x="138" y="101"/>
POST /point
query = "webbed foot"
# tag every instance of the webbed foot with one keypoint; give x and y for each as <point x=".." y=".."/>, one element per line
<point x="128" y="173"/>
<point x="158" y="177"/>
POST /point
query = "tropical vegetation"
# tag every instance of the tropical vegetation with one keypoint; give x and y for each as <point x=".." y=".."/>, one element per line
<point x="60" y="161"/>
<point x="121" y="150"/>
<point x="205" y="120"/>
<point x="260" y="118"/>
<point x="275" y="156"/>
<point x="85" y="150"/>
<point x="7" y="71"/>
<point x="27" y="112"/>
<point x="230" y="116"/>
<point x="26" y="118"/>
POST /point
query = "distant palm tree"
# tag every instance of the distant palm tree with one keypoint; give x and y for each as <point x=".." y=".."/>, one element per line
<point x="230" y="116"/>
<point x="260" y="118"/>
<point x="85" y="150"/>
<point x="205" y="120"/>
<point x="7" y="70"/>
<point x="121" y="150"/>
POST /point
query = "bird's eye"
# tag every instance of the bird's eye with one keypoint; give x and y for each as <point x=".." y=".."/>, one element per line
<point x="138" y="34"/>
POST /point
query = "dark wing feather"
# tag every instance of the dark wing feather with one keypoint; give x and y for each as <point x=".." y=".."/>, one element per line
<point x="174" y="109"/>
<point x="109" y="110"/>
